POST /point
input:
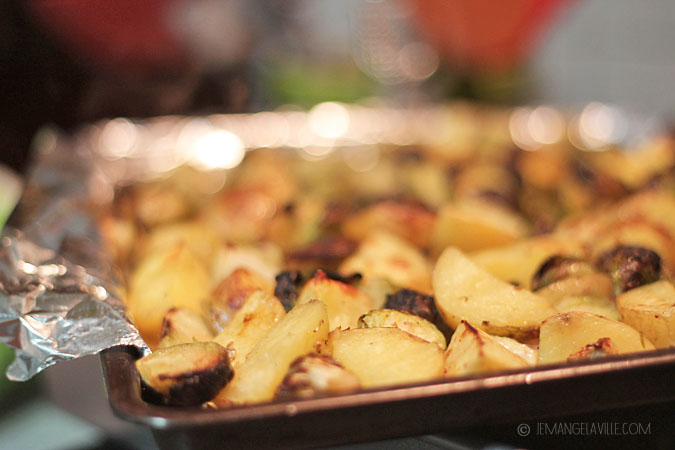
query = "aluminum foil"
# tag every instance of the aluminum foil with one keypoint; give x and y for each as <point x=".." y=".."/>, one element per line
<point x="57" y="291"/>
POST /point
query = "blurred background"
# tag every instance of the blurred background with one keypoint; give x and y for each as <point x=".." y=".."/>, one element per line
<point x="68" y="62"/>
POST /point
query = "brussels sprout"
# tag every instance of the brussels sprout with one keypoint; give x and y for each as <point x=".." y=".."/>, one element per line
<point x="411" y="301"/>
<point x="185" y="374"/>
<point x="558" y="267"/>
<point x="286" y="288"/>
<point x="314" y="374"/>
<point x="630" y="267"/>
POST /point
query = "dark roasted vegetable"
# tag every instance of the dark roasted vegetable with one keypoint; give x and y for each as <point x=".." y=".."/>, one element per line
<point x="286" y="288"/>
<point x="630" y="267"/>
<point x="558" y="267"/>
<point x="411" y="301"/>
<point x="186" y="374"/>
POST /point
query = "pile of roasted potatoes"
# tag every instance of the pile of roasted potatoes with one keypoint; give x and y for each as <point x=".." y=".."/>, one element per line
<point x="302" y="278"/>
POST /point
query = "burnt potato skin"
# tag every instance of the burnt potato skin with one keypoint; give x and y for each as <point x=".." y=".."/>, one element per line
<point x="207" y="370"/>
<point x="558" y="267"/>
<point x="630" y="267"/>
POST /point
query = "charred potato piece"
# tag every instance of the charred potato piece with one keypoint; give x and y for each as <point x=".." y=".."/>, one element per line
<point x="415" y="325"/>
<point x="186" y="374"/>
<point x="303" y="330"/>
<point x="630" y="267"/>
<point x="327" y="251"/>
<point x="313" y="375"/>
<point x="345" y="303"/>
<point x="182" y="326"/>
<point x="259" y="313"/>
<point x="650" y="309"/>
<point x="473" y="351"/>
<point x="386" y="356"/>
<point x="385" y="255"/>
<point x="464" y="291"/>
<point x="229" y="296"/>
<point x="565" y="334"/>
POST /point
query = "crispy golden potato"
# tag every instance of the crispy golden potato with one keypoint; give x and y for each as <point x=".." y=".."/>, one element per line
<point x="264" y="259"/>
<point x="565" y="334"/>
<point x="464" y="291"/>
<point x="229" y="296"/>
<point x="259" y="313"/>
<point x="198" y="237"/>
<point x="157" y="204"/>
<point x="186" y="374"/>
<point x="384" y="255"/>
<point x="172" y="278"/>
<point x="386" y="356"/>
<point x="182" y="326"/>
<point x="650" y="309"/>
<point x="473" y="351"/>
<point x="345" y="303"/>
<point x="303" y="330"/>
<point x="410" y="323"/>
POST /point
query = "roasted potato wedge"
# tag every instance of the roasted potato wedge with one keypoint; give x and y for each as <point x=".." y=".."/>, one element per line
<point x="186" y="374"/>
<point x="650" y="309"/>
<point x="386" y="356"/>
<point x="474" y="224"/>
<point x="303" y="330"/>
<point x="182" y="326"/>
<point x="198" y="237"/>
<point x="464" y="291"/>
<point x="408" y="322"/>
<point x="174" y="277"/>
<point x="596" y="305"/>
<point x="565" y="334"/>
<point x="264" y="259"/>
<point x="473" y="351"/>
<point x="229" y="296"/>
<point x="259" y="313"/>
<point x="345" y="303"/>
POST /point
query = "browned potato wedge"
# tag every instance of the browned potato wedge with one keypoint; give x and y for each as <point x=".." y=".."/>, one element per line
<point x="385" y="255"/>
<point x="565" y="334"/>
<point x="410" y="323"/>
<point x="186" y="374"/>
<point x="313" y="375"/>
<point x="518" y="262"/>
<point x="464" y="291"/>
<point x="231" y="294"/>
<point x="473" y="351"/>
<point x="409" y="220"/>
<point x="172" y="278"/>
<point x="303" y="330"/>
<point x="345" y="303"/>
<point x="386" y="356"/>
<point x="650" y="309"/>
<point x="182" y="326"/>
<point x="474" y="224"/>
<point x="259" y="313"/>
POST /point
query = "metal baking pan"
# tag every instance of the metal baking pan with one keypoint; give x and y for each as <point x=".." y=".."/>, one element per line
<point x="544" y="392"/>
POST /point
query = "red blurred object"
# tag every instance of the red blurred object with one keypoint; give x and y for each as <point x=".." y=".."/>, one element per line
<point x="484" y="35"/>
<point x="118" y="35"/>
